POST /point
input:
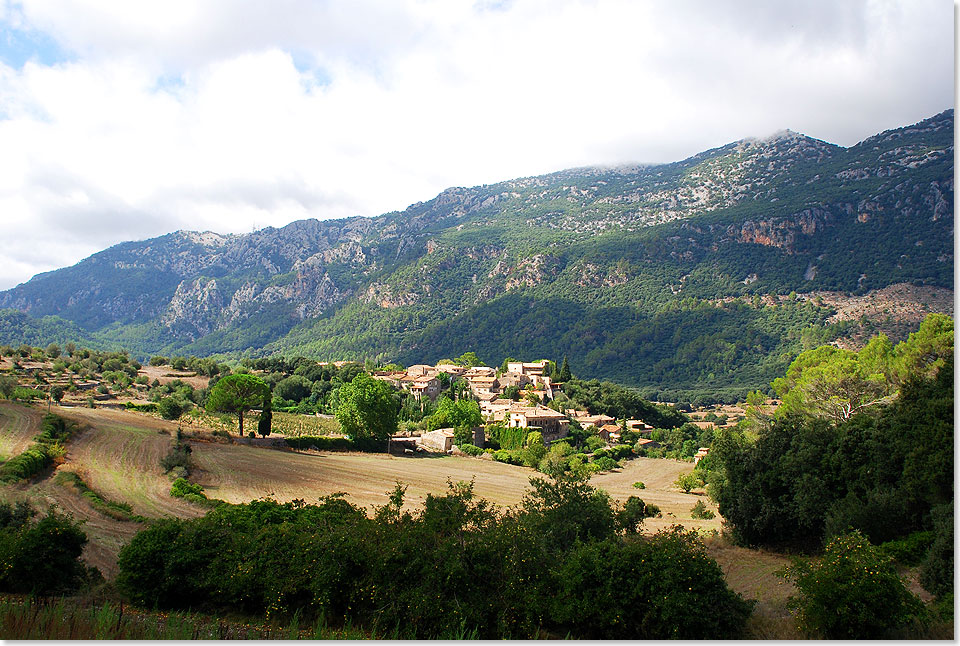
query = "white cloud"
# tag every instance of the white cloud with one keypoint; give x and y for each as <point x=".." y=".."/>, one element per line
<point x="225" y="115"/>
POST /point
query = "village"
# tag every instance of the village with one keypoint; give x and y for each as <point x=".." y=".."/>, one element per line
<point x="531" y="389"/>
<point x="515" y="395"/>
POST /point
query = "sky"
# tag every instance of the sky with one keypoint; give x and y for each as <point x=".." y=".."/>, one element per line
<point x="127" y="120"/>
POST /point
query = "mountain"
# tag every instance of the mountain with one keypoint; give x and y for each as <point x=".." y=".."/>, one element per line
<point x="645" y="274"/>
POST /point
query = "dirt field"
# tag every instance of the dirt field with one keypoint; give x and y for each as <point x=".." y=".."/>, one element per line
<point x="166" y="374"/>
<point x="239" y="473"/>
<point x="752" y="573"/>
<point x="658" y="476"/>
<point x="19" y="424"/>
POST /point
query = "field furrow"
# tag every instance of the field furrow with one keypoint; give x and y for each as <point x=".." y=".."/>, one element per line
<point x="19" y="424"/>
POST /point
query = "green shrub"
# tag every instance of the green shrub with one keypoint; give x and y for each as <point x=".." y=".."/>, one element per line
<point x="662" y="588"/>
<point x="909" y="550"/>
<point x="471" y="449"/>
<point x="639" y="485"/>
<point x="170" y="408"/>
<point x="936" y="573"/>
<point x="43" y="558"/>
<point x="852" y="592"/>
<point x="149" y="407"/>
<point x="178" y="456"/>
<point x="455" y="566"/>
<point x="26" y="394"/>
<point x="322" y="443"/>
<point x="509" y="457"/>
<point x="182" y="487"/>
<point x="604" y="464"/>
<point x="26" y="465"/>
<point x="700" y="511"/>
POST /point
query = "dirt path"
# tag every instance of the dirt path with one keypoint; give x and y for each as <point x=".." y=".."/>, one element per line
<point x="19" y="424"/>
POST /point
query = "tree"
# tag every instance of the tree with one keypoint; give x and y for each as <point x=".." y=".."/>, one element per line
<point x="853" y="592"/>
<point x="836" y="384"/>
<point x="688" y="481"/>
<point x="56" y="393"/>
<point x="53" y="351"/>
<point x="238" y="394"/>
<point x="8" y="384"/>
<point x="564" y="375"/>
<point x="924" y="352"/>
<point x="367" y="408"/>
<point x="170" y="408"/>
<point x="266" y="419"/>
<point x="295" y="388"/>
<point x="468" y="360"/>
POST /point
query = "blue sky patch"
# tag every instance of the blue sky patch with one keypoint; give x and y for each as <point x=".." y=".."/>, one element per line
<point x="18" y="46"/>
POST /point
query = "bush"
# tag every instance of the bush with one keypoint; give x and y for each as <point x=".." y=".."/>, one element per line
<point x="471" y="449"/>
<point x="179" y="456"/>
<point x="852" y="592"/>
<point x="936" y="573"/>
<point x="509" y="457"/>
<point x="604" y="464"/>
<point x="322" y="443"/>
<point x="456" y="565"/>
<point x="639" y="485"/>
<point x="662" y="588"/>
<point x="909" y="550"/>
<point x="170" y="408"/>
<point x="43" y="558"/>
<point x="149" y="407"/>
<point x="700" y="512"/>
<point x="26" y="465"/>
<point x="182" y="487"/>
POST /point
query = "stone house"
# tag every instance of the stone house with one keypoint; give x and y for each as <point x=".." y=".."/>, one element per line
<point x="426" y="386"/>
<point x="550" y="423"/>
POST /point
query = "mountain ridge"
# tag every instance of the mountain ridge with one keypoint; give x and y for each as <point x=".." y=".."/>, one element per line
<point x="757" y="216"/>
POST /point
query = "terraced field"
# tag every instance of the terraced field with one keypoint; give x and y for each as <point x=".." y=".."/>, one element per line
<point x="658" y="476"/>
<point x="119" y="456"/>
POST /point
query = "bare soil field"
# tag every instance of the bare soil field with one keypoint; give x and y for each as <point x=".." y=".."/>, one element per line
<point x="19" y="424"/>
<point x="658" y="476"/>
<point x="238" y="473"/>
<point x="119" y="452"/>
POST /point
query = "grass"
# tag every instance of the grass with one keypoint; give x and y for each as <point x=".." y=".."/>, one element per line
<point x="113" y="509"/>
<point x="81" y="618"/>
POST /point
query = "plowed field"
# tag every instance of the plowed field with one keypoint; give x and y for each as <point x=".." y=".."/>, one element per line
<point x="19" y="424"/>
<point x="239" y="473"/>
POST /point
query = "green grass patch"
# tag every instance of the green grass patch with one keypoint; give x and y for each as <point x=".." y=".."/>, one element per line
<point x="111" y="508"/>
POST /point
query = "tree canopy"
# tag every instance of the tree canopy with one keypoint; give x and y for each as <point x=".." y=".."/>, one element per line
<point x="367" y="408"/>
<point x="238" y="393"/>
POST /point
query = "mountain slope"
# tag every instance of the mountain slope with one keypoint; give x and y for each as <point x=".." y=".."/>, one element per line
<point x="597" y="256"/>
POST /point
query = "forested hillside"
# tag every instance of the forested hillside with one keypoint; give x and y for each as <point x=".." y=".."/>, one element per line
<point x="663" y="277"/>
